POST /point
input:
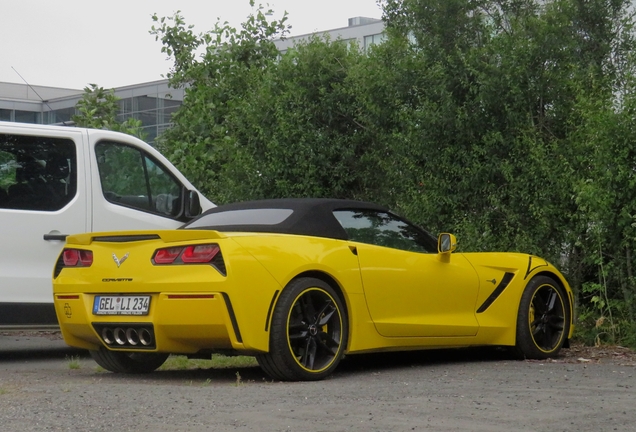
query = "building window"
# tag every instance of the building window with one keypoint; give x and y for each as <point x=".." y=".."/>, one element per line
<point x="154" y="112"/>
<point x="5" y="115"/>
<point x="59" y="116"/>
<point x="27" y="117"/>
<point x="148" y="118"/>
<point x="375" y="39"/>
<point x="146" y="103"/>
<point x="169" y="108"/>
<point x="125" y="106"/>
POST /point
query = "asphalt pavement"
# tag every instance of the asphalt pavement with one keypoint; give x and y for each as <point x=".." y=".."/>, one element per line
<point x="27" y="345"/>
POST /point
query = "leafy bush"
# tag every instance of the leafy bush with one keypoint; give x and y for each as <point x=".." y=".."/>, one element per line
<point x="509" y="123"/>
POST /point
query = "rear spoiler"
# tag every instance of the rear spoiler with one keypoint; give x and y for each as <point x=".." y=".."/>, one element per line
<point x="168" y="236"/>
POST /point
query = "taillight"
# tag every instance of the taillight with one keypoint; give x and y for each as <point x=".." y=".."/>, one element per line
<point x="193" y="254"/>
<point x="199" y="253"/>
<point x="168" y="255"/>
<point x="77" y="258"/>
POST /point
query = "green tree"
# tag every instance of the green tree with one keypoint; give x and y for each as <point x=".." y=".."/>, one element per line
<point x="520" y="134"/>
<point x="257" y="124"/>
<point x="219" y="69"/>
<point x="98" y="109"/>
<point x="606" y="198"/>
<point x="505" y="121"/>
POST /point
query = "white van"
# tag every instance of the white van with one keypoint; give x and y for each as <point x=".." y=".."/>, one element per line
<point x="57" y="180"/>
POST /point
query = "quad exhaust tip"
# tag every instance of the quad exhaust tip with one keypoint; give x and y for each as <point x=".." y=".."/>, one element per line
<point x="108" y="336"/>
<point x="120" y="336"/>
<point x="132" y="336"/>
<point x="127" y="337"/>
<point x="145" y="337"/>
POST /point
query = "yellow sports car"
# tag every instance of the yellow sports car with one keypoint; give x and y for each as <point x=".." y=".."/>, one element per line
<point x="299" y="283"/>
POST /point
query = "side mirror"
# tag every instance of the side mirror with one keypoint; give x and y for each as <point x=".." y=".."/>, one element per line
<point x="446" y="243"/>
<point x="192" y="204"/>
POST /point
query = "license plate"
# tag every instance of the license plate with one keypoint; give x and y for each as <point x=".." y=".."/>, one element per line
<point x="121" y="305"/>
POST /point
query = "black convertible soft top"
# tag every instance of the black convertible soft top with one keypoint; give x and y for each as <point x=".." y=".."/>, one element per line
<point x="303" y="216"/>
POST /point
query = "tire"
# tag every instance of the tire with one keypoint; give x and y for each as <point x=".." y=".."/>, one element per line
<point x="128" y="362"/>
<point x="309" y="332"/>
<point x="543" y="321"/>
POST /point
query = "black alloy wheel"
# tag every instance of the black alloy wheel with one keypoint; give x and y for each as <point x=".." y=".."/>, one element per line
<point x="314" y="329"/>
<point x="309" y="332"/>
<point x="543" y="320"/>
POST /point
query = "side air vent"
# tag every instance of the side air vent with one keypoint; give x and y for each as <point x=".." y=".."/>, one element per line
<point x="219" y="263"/>
<point x="59" y="265"/>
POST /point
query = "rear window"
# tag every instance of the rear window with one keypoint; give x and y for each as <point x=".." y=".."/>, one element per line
<point x="37" y="173"/>
<point x="242" y="217"/>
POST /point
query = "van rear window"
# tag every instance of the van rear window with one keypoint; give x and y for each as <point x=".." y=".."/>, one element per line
<point x="37" y="173"/>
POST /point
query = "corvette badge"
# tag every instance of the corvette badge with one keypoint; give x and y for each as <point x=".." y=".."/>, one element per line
<point x="120" y="261"/>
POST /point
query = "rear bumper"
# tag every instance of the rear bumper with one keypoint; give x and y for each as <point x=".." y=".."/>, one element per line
<point x="181" y="322"/>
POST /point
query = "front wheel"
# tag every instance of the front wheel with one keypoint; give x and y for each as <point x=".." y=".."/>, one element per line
<point x="128" y="362"/>
<point x="309" y="332"/>
<point x="543" y="321"/>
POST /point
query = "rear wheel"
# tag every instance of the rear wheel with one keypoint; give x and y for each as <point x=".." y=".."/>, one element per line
<point x="309" y="332"/>
<point x="128" y="362"/>
<point x="543" y="321"/>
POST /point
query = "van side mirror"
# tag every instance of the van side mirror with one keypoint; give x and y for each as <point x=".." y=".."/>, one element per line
<point x="192" y="204"/>
<point x="446" y="243"/>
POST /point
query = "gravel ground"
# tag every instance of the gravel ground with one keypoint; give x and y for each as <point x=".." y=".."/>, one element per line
<point x="586" y="389"/>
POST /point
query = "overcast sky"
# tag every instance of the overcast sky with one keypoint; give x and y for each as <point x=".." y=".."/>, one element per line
<point x="70" y="43"/>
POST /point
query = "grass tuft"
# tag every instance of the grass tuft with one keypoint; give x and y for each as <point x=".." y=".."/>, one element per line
<point x="179" y="362"/>
<point x="73" y="362"/>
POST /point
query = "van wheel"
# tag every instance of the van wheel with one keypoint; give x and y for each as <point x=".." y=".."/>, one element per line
<point x="309" y="332"/>
<point x="128" y="362"/>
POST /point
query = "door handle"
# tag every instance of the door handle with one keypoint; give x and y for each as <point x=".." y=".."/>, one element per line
<point x="58" y="237"/>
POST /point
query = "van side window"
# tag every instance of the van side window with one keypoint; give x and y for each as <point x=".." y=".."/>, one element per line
<point x="37" y="173"/>
<point x="132" y="178"/>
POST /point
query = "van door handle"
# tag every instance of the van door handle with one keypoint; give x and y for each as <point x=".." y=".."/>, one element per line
<point x="58" y="237"/>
